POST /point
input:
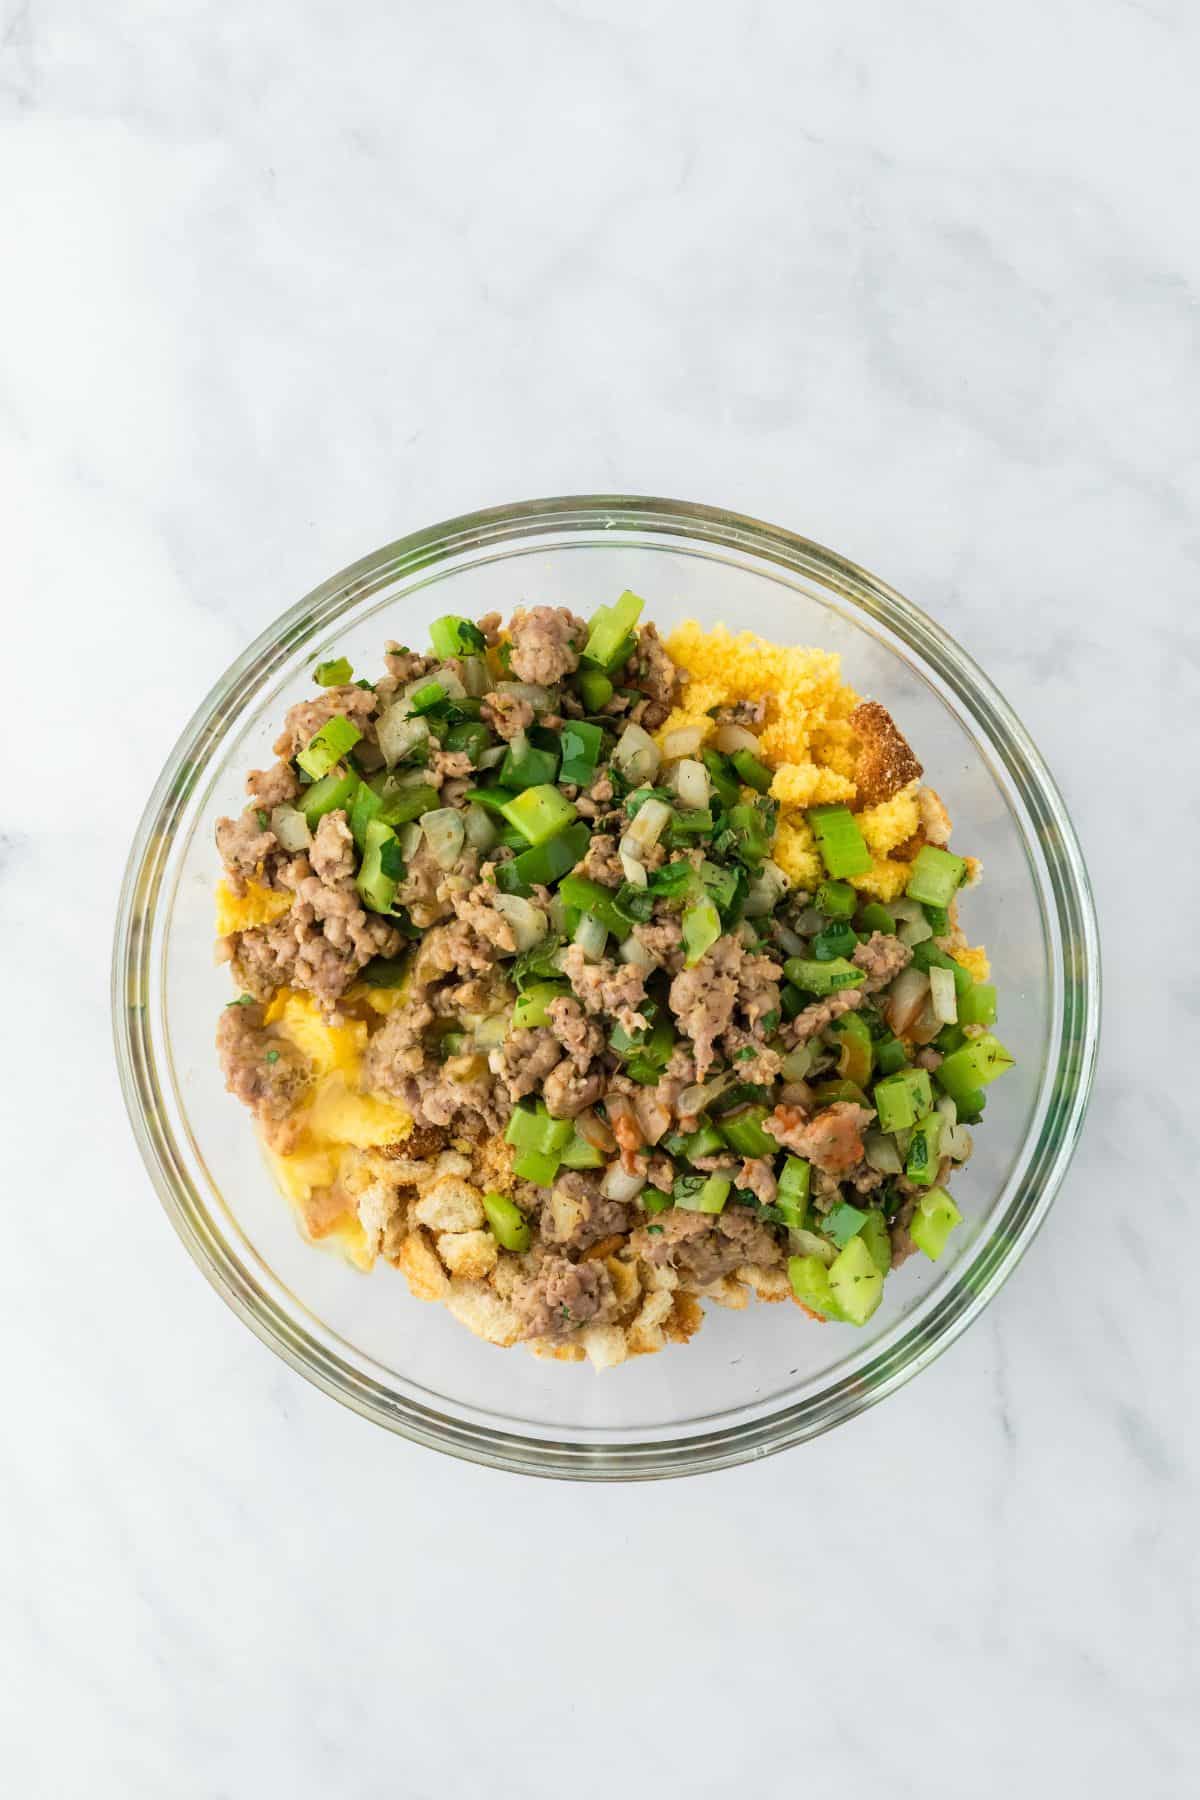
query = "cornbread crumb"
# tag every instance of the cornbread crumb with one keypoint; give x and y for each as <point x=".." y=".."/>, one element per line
<point x="885" y="763"/>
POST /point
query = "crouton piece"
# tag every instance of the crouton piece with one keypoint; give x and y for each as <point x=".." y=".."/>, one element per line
<point x="685" y="1318"/>
<point x="418" y="1262"/>
<point x="645" y="1335"/>
<point x="884" y="763"/>
<point x="725" y="1291"/>
<point x="378" y="1202"/>
<point x="480" y="1308"/>
<point x="469" y="1254"/>
<point x="551" y="1350"/>
<point x="935" y="820"/>
<point x="627" y="1289"/>
<point x="604" y="1249"/>
<point x="604" y="1345"/>
<point x="450" y="1204"/>
<point x="767" y="1284"/>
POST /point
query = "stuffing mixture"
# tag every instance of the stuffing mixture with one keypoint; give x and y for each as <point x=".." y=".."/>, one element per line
<point x="584" y="976"/>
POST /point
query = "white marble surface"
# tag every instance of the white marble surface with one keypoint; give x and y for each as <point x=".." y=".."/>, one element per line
<point x="283" y="281"/>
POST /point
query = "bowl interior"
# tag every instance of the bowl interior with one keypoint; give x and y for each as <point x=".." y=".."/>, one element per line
<point x="746" y="1375"/>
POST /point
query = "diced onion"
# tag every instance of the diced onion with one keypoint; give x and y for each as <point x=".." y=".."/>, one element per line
<point x="767" y="889"/>
<point x="637" y="755"/>
<point x="736" y="737"/>
<point x="480" y="828"/>
<point x="693" y="1100"/>
<point x="906" y="998"/>
<point x="809" y="921"/>
<point x="684" y="742"/>
<point x="495" y="754"/>
<point x="591" y="936"/>
<point x="691" y="782"/>
<point x="445" y="678"/>
<point x="291" y="828"/>
<point x="915" y="931"/>
<point x="540" y="698"/>
<point x="957" y="1144"/>
<point x="618" y="1184"/>
<point x="491" y="1032"/>
<point x="409" y="837"/>
<point x="789" y="940"/>
<point x="807" y="1243"/>
<point x="653" y="818"/>
<point x="476" y="677"/>
<point x="943" y="996"/>
<point x="635" y="872"/>
<point x="635" y="952"/>
<point x="653" y="1117"/>
<point x="399" y="733"/>
<point x="880" y="1150"/>
<point x="797" y="1063"/>
<point x="948" y="1108"/>
<point x="592" y="1128"/>
<point x="904" y="908"/>
<point x="528" y="921"/>
<point x="444" y="832"/>
<point x="796" y="1093"/>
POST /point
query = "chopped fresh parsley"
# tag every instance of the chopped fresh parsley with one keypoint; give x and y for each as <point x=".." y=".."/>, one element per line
<point x="272" y="1056"/>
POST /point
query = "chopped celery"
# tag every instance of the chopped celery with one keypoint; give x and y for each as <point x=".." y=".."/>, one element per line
<point x="754" y="773"/>
<point x="725" y="784"/>
<point x="877" y="918"/>
<point x="469" y="736"/>
<point x="825" y="1093"/>
<point x="538" y="1166"/>
<point x="579" y="1154"/>
<point x="810" y="1284"/>
<point x="709" y="1197"/>
<point x="841" y="843"/>
<point x="701" y="929"/>
<point x="528" y="765"/>
<point x="842" y="1221"/>
<point x="750" y="830"/>
<point x="334" y="790"/>
<point x="544" y="863"/>
<point x="654" y="1202"/>
<point x="365" y="806"/>
<point x="532" y="1128"/>
<point x="890" y="1054"/>
<point x="595" y="689"/>
<point x="695" y="821"/>
<point x="610" y="629"/>
<point x="582" y="894"/>
<point x="328" y="746"/>
<point x="936" y="876"/>
<point x="980" y="1061"/>
<point x="856" y="1053"/>
<point x="454" y="636"/>
<point x="531" y="1006"/>
<point x="647" y="1064"/>
<point x="427" y="698"/>
<point x="939" y="919"/>
<point x="510" y="1228"/>
<point x="822" y="978"/>
<point x="539" y="813"/>
<point x="335" y="673"/>
<point x="706" y="1140"/>
<point x="856" y="1282"/>
<point x="792" y="1198"/>
<point x="876" y="1237"/>
<point x="493" y="800"/>
<point x="934" y="1219"/>
<point x="902" y="1098"/>
<point x="390" y="801"/>
<point x="926" y="955"/>
<point x="791" y="1000"/>
<point x="978" y="1005"/>
<point x="921" y="1165"/>
<point x="837" y="939"/>
<point x="381" y="867"/>
<point x="836" y="899"/>
<point x="743" y="1132"/>
<point x="581" y="744"/>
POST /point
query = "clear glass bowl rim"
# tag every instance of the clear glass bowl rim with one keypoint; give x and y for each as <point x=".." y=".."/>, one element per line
<point x="1070" y="896"/>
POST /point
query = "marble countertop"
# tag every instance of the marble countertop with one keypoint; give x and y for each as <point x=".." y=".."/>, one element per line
<point x="283" y="282"/>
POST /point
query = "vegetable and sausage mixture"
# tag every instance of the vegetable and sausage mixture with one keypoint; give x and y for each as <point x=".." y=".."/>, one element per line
<point x="584" y="977"/>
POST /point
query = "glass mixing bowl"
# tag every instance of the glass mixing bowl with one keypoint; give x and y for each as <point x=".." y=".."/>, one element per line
<point x="751" y="1382"/>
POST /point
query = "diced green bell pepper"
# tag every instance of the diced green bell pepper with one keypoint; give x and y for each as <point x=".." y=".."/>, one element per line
<point x="579" y="1154"/>
<point x="469" y="736"/>
<point x="936" y="876"/>
<point x="382" y="865"/>
<point x="701" y="929"/>
<point x="595" y="689"/>
<point x="582" y="894"/>
<point x="934" y="1219"/>
<point x="539" y="813"/>
<point x="877" y="918"/>
<point x="581" y="745"/>
<point x="531" y="1006"/>
<point x="544" y="863"/>
<point x="528" y="765"/>
<point x="875" y="1235"/>
<point x="842" y="1221"/>
<point x="842" y="845"/>
<point x="538" y="1166"/>
<point x="978" y="1005"/>
<point x="890" y="1054"/>
<point x="532" y="1128"/>
<point x="610" y="628"/>
<point x="837" y="939"/>
<point x="492" y="799"/>
<point x="427" y="698"/>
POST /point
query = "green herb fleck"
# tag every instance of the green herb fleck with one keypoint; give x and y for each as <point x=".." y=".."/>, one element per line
<point x="272" y="1056"/>
<point x="242" y="1000"/>
<point x="770" y="1019"/>
<point x="654" y="1231"/>
<point x="746" y="1055"/>
<point x="264" y="819"/>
